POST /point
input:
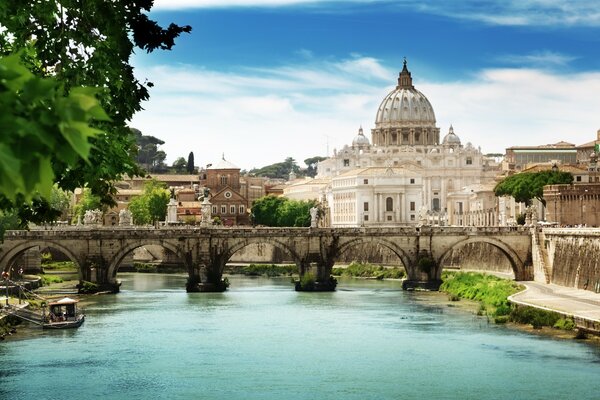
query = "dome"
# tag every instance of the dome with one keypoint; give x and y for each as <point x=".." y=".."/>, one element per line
<point x="405" y="105"/>
<point x="451" y="139"/>
<point x="360" y="140"/>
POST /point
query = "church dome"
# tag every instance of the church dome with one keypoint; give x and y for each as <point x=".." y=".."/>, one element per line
<point x="405" y="105"/>
<point x="451" y="139"/>
<point x="360" y="140"/>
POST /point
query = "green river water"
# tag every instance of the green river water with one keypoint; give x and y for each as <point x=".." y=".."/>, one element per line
<point x="263" y="340"/>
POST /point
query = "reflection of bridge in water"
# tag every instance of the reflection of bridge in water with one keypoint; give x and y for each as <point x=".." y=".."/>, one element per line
<point x="99" y="251"/>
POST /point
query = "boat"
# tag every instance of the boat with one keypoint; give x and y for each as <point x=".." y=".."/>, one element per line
<point x="63" y="314"/>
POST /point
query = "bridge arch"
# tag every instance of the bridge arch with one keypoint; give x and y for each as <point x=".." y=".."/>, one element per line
<point x="399" y="252"/>
<point x="7" y="259"/>
<point x="513" y="258"/>
<point x="278" y="243"/>
<point x="113" y="266"/>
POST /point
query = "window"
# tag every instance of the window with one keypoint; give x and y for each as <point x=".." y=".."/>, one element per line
<point x="417" y="137"/>
<point x="389" y="217"/>
<point x="412" y="206"/>
<point x="389" y="204"/>
<point x="436" y="205"/>
<point x="578" y="178"/>
<point x="412" y="217"/>
<point x="405" y="138"/>
<point x="366" y="217"/>
<point x="214" y="209"/>
<point x="223" y="209"/>
<point x="412" y="180"/>
<point x="223" y="180"/>
<point x="469" y="161"/>
<point x="346" y="162"/>
<point x="366" y="181"/>
<point x="231" y="209"/>
<point x="242" y="209"/>
<point x="366" y="206"/>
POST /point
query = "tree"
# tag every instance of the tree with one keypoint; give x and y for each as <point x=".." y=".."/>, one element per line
<point x="88" y="201"/>
<point x="149" y="156"/>
<point x="190" y="163"/>
<point x="151" y="205"/>
<point x="280" y="211"/>
<point x="180" y="165"/>
<point x="278" y="170"/>
<point x="78" y="43"/>
<point x="311" y="164"/>
<point x="530" y="185"/>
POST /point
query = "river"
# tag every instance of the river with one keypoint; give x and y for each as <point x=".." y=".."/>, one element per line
<point x="262" y="340"/>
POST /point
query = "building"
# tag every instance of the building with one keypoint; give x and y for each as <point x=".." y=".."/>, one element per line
<point x="406" y="172"/>
<point x="518" y="158"/>
<point x="573" y="205"/>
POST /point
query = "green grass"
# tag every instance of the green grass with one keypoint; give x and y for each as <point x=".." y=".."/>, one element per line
<point x="492" y="292"/>
<point x="365" y="270"/>
<point x="49" y="279"/>
<point x="59" y="266"/>
<point x="263" y="270"/>
<point x="144" y="267"/>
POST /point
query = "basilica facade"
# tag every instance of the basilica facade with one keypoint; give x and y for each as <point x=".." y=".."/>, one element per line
<point x="404" y="174"/>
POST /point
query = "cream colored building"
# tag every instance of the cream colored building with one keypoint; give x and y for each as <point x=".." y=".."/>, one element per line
<point x="406" y="174"/>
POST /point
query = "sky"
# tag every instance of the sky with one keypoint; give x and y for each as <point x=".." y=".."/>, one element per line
<point x="262" y="80"/>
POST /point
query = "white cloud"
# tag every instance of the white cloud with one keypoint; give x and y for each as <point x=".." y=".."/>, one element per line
<point x="261" y="116"/>
<point x="539" y="59"/>
<point x="493" y="12"/>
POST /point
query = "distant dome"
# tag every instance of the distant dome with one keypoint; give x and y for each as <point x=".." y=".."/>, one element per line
<point x="360" y="140"/>
<point x="451" y="139"/>
<point x="404" y="106"/>
<point x="223" y="164"/>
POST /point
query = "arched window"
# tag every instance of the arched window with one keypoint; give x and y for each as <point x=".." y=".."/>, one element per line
<point x="436" y="205"/>
<point x="389" y="204"/>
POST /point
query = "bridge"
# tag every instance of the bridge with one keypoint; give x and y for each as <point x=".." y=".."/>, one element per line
<point x="98" y="251"/>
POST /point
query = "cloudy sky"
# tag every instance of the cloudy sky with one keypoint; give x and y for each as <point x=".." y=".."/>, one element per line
<point x="262" y="80"/>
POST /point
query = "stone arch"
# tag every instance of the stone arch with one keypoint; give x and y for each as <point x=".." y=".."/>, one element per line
<point x="261" y="240"/>
<point x="129" y="247"/>
<point x="7" y="259"/>
<point x="402" y="255"/>
<point x="515" y="261"/>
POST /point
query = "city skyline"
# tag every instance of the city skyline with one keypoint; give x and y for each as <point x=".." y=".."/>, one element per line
<point x="264" y="80"/>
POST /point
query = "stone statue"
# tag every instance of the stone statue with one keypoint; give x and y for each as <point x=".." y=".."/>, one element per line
<point x="125" y="218"/>
<point x="423" y="216"/>
<point x="92" y="217"/>
<point x="206" y="193"/>
<point x="314" y="217"/>
<point x="172" y="193"/>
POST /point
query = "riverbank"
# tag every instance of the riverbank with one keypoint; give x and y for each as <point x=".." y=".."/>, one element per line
<point x="492" y="293"/>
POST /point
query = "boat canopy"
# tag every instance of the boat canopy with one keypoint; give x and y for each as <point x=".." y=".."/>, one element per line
<point x="63" y="302"/>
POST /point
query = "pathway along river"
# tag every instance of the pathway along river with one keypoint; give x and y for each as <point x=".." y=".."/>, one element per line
<point x="262" y="340"/>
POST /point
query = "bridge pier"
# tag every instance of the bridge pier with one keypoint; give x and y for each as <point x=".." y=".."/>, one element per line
<point x="95" y="277"/>
<point x="207" y="277"/>
<point x="425" y="274"/>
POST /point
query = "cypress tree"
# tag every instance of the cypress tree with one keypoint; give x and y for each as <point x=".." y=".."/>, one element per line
<point x="190" y="163"/>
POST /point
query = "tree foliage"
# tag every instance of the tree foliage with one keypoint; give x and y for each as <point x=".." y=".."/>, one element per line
<point x="279" y="170"/>
<point x="88" y="201"/>
<point x="191" y="168"/>
<point x="281" y="211"/>
<point x="180" y="165"/>
<point x="311" y="165"/>
<point x="149" y="156"/>
<point x="530" y="185"/>
<point x="151" y="206"/>
<point x="76" y="43"/>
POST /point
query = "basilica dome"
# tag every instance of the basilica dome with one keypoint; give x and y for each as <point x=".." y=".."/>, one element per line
<point x="451" y="139"/>
<point x="360" y="140"/>
<point x="405" y="106"/>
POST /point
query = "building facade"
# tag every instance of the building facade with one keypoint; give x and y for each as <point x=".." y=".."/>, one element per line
<point x="406" y="174"/>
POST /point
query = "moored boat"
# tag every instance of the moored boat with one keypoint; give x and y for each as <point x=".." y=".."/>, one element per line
<point x="63" y="314"/>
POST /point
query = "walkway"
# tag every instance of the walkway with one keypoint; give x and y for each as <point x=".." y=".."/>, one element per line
<point x="576" y="302"/>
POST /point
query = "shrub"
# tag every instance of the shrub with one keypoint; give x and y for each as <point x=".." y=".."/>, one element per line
<point x="536" y="317"/>
<point x="48" y="279"/>
<point x="88" y="287"/>
<point x="365" y="270"/>
<point x="566" y="324"/>
<point x="307" y="281"/>
<point x="45" y="257"/>
<point x="144" y="267"/>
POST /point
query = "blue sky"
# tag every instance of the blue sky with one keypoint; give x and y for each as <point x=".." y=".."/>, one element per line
<point x="262" y="80"/>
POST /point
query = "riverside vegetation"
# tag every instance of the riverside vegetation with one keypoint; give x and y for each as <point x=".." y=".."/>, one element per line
<point x="366" y="270"/>
<point x="492" y="294"/>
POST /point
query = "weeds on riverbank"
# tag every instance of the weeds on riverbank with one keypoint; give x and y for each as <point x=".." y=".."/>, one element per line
<point x="59" y="266"/>
<point x="365" y="270"/>
<point x="49" y="279"/>
<point x="492" y="293"/>
<point x="269" y="270"/>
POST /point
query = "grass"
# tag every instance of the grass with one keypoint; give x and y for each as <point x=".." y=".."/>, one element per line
<point x="492" y="294"/>
<point x="269" y="270"/>
<point x="59" y="265"/>
<point x="365" y="270"/>
<point x="49" y="279"/>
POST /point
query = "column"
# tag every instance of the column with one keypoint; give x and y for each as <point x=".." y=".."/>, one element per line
<point x="397" y="211"/>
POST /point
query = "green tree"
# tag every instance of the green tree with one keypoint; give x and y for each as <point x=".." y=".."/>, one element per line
<point x="88" y="201"/>
<point x="149" y="156"/>
<point x="280" y="211"/>
<point x="278" y="170"/>
<point x="151" y="205"/>
<point x="311" y="165"/>
<point x="191" y="168"/>
<point x="78" y="43"/>
<point x="179" y="165"/>
<point x="530" y="185"/>
<point x="60" y="201"/>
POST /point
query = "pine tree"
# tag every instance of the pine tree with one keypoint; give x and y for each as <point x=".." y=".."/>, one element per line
<point x="190" y="163"/>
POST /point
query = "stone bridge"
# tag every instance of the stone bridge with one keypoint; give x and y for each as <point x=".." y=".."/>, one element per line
<point x="99" y="251"/>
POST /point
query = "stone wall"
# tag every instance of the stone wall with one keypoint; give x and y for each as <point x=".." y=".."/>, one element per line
<point x="478" y="257"/>
<point x="571" y="257"/>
